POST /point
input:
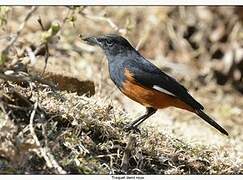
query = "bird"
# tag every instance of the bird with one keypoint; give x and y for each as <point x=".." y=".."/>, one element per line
<point x="143" y="82"/>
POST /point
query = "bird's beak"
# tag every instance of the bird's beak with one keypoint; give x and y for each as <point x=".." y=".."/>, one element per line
<point x="92" y="40"/>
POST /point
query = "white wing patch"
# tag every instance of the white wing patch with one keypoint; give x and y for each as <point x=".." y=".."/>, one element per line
<point x="162" y="90"/>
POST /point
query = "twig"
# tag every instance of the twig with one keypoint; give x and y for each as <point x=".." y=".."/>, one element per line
<point x="19" y="79"/>
<point x="101" y="18"/>
<point x="46" y="58"/>
<point x="47" y="54"/>
<point x="50" y="161"/>
<point x="66" y="17"/>
<point x="18" y="107"/>
<point x="21" y="27"/>
<point x="128" y="151"/>
<point x="139" y="44"/>
<point x="41" y="24"/>
<point x="32" y="131"/>
<point x="144" y="37"/>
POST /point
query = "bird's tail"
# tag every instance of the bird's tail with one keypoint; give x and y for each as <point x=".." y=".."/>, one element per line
<point x="209" y="120"/>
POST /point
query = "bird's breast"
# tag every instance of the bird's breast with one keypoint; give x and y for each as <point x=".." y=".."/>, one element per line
<point x="116" y="71"/>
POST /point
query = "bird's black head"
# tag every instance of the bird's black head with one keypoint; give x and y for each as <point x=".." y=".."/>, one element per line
<point x="112" y="44"/>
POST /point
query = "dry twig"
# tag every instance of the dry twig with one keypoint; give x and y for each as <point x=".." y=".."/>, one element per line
<point x="26" y="78"/>
<point x="49" y="158"/>
<point x="105" y="19"/>
<point x="128" y="151"/>
<point x="21" y="27"/>
<point x="47" y="54"/>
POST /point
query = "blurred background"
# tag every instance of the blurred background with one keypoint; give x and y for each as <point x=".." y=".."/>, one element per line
<point x="200" y="46"/>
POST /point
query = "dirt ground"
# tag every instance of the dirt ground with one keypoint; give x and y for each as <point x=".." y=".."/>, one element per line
<point x="78" y="129"/>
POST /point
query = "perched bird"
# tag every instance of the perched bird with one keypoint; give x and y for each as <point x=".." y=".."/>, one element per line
<point x="143" y="82"/>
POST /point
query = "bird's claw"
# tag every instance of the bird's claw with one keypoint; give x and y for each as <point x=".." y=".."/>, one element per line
<point x="132" y="128"/>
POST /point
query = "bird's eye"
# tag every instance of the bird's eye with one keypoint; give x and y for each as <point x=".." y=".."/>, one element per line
<point x="109" y="43"/>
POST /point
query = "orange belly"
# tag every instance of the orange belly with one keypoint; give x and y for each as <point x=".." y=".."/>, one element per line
<point x="150" y="97"/>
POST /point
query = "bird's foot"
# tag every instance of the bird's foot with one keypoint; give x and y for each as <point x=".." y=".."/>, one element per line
<point x="132" y="128"/>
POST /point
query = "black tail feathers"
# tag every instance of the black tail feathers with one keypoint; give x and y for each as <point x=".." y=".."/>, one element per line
<point x="209" y="120"/>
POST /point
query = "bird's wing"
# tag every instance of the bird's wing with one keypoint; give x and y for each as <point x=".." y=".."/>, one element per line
<point x="147" y="74"/>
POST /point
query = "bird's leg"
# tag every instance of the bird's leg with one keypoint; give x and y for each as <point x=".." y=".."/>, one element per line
<point x="150" y="111"/>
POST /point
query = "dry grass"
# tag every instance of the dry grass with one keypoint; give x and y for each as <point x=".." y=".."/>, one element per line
<point x="85" y="135"/>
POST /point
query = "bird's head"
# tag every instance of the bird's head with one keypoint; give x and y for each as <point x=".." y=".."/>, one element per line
<point x="112" y="44"/>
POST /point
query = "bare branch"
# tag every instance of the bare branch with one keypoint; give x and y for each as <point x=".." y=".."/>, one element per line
<point x="101" y="18"/>
<point x="108" y="20"/>
<point x="21" y="27"/>
<point x="27" y="78"/>
<point x="50" y="161"/>
<point x="128" y="152"/>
